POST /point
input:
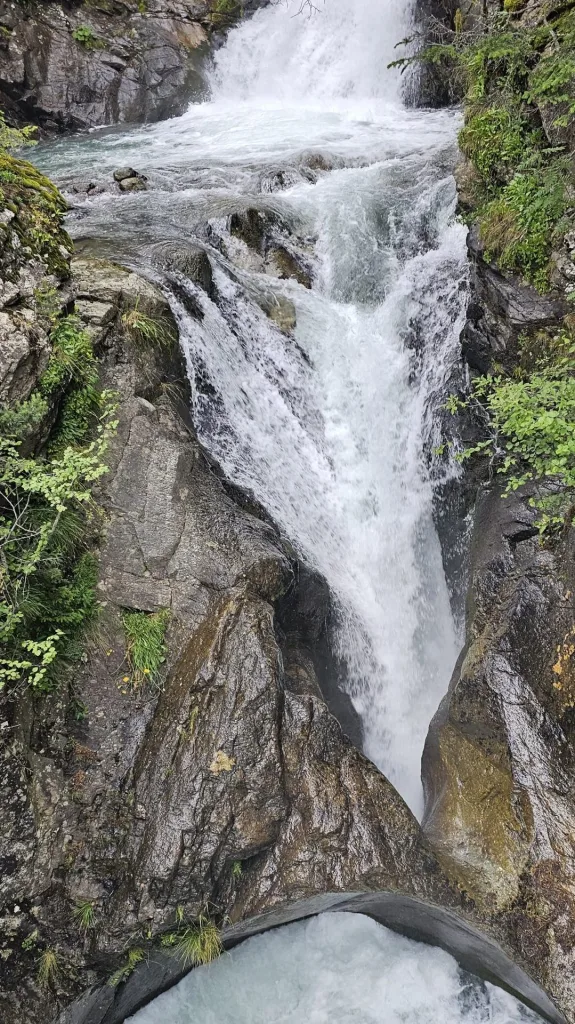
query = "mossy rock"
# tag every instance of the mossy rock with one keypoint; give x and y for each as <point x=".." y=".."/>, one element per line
<point x="39" y="209"/>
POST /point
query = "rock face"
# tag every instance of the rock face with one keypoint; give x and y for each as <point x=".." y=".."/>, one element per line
<point x="71" y="65"/>
<point x="499" y="763"/>
<point x="502" y="307"/>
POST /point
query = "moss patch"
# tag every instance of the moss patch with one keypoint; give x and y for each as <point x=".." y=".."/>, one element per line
<point x="38" y="209"/>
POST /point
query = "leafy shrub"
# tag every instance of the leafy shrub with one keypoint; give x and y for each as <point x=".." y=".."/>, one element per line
<point x="532" y="429"/>
<point x="87" y="38"/>
<point x="520" y="226"/>
<point x="493" y="138"/>
<point x="521" y="188"/>
<point x="48" y="578"/>
<point x="21" y="421"/>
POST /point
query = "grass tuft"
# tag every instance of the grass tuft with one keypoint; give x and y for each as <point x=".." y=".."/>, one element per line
<point x="146" y="330"/>
<point x="146" y="648"/>
<point x="199" y="943"/>
<point x="49" y="965"/>
<point x="83" y="914"/>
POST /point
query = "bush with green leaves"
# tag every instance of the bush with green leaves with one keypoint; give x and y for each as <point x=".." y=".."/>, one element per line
<point x="531" y="432"/>
<point x="48" y="515"/>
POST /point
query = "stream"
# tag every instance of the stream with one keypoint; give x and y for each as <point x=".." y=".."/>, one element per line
<point x="332" y="424"/>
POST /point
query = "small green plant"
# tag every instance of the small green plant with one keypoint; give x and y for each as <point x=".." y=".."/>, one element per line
<point x="147" y="330"/>
<point x="87" y="38"/>
<point x="84" y="916"/>
<point x="493" y="138"/>
<point x="199" y="943"/>
<point x="49" y="968"/>
<point x="24" y="419"/>
<point x="47" y="577"/>
<point x="145" y="641"/>
<point x="519" y="227"/>
<point x="135" y="957"/>
<point x="237" y="869"/>
<point x="30" y="941"/>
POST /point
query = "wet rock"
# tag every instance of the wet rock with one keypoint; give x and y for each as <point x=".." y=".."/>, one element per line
<point x="503" y="307"/>
<point x="282" y="312"/>
<point x="124" y="172"/>
<point x="71" y="66"/>
<point x="499" y="762"/>
<point x="145" y="804"/>
<point x="263" y="232"/>
<point x="284" y="264"/>
<point x="190" y="260"/>
<point x="249" y="225"/>
<point x="136" y="184"/>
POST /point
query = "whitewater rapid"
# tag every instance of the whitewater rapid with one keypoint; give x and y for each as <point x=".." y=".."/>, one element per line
<point x="332" y="429"/>
<point x="334" y="969"/>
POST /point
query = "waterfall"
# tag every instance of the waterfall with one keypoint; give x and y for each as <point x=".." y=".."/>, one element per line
<point x="331" y="423"/>
<point x="334" y="446"/>
<point x="332" y="426"/>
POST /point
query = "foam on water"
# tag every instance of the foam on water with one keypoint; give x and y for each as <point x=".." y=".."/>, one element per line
<point x="333" y="969"/>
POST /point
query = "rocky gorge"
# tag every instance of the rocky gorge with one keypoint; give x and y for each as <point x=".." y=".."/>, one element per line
<point x="229" y="787"/>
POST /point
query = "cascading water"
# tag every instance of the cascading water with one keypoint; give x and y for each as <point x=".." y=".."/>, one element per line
<point x="330" y="432"/>
<point x="335" y="451"/>
<point x="334" y="969"/>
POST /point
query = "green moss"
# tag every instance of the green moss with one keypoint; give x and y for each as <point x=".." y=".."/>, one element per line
<point x="39" y="209"/>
